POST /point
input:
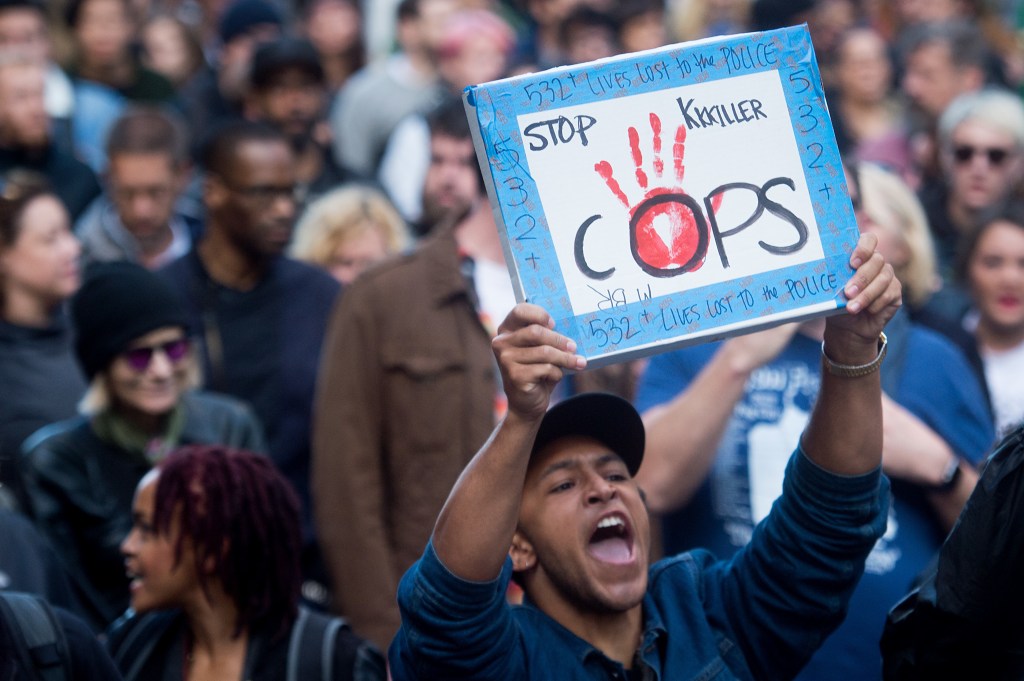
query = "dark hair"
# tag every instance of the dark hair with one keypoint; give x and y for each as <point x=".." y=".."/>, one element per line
<point x="222" y="147"/>
<point x="1011" y="211"/>
<point x="242" y="519"/>
<point x="628" y="10"/>
<point x="584" y="17"/>
<point x="149" y="130"/>
<point x="449" y="118"/>
<point x="407" y="9"/>
<point x="18" y="188"/>
<point x="73" y="11"/>
<point x="37" y="5"/>
<point x="965" y="42"/>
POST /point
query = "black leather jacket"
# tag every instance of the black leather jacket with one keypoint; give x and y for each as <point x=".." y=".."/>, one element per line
<point x="80" y="491"/>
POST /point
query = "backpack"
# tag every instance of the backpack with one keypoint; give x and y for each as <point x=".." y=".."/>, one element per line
<point x="311" y="650"/>
<point x="37" y="635"/>
<point x="311" y="646"/>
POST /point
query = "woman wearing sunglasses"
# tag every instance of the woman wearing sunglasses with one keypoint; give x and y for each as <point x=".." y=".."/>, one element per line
<point x="80" y="475"/>
<point x="981" y="147"/>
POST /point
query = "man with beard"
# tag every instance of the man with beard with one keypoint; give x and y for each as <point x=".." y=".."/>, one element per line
<point x="409" y="390"/>
<point x="25" y="140"/>
<point x="288" y="91"/>
<point x="551" y="500"/>
<point x="260" y="317"/>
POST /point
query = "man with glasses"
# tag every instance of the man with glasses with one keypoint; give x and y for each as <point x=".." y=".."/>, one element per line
<point x="260" y="316"/>
<point x="288" y="90"/>
<point x="981" y="138"/>
<point x="139" y="216"/>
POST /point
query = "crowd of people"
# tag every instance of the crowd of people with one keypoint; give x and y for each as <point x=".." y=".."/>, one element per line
<point x="260" y="355"/>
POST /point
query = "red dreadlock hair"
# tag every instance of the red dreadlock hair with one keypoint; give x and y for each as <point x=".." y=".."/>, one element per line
<point x="242" y="518"/>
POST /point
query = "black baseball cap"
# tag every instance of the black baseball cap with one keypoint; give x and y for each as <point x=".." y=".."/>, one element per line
<point x="273" y="56"/>
<point x="607" y="418"/>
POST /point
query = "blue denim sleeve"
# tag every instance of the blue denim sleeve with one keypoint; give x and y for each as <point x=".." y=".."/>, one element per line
<point x="453" y="628"/>
<point x="788" y="589"/>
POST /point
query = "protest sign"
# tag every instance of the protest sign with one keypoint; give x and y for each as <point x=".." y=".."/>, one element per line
<point x="666" y="197"/>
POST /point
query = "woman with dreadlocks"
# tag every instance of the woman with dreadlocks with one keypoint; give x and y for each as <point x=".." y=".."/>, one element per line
<point x="213" y="556"/>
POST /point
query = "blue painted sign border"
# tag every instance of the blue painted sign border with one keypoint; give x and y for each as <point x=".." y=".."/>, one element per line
<point x="633" y="324"/>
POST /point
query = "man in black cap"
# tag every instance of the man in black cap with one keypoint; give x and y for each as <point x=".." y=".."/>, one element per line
<point x="551" y="497"/>
<point x="288" y="90"/>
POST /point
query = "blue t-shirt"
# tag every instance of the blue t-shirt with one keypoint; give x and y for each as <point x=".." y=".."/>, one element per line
<point x="934" y="382"/>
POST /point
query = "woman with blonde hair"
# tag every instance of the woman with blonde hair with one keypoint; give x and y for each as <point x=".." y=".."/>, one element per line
<point x="133" y="345"/>
<point x="895" y="214"/>
<point x="347" y="230"/>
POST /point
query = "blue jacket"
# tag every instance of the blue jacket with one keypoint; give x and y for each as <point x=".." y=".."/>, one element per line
<point x="758" y="616"/>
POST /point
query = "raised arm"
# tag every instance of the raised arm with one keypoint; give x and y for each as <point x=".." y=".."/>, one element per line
<point x="474" y="530"/>
<point x="845" y="432"/>
<point x="789" y="587"/>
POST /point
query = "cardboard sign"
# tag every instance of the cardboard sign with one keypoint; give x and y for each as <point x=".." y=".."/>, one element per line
<point x="672" y="196"/>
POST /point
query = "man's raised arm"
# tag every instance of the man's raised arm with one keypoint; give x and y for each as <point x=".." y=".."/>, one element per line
<point x="474" y="530"/>
<point x="845" y="432"/>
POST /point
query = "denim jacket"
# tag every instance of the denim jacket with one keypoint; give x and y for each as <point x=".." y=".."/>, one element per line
<point x="759" y="615"/>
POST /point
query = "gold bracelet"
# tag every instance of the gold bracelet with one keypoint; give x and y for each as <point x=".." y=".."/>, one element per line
<point x="851" y="370"/>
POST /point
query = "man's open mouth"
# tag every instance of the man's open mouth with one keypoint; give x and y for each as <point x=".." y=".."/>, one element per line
<point x="612" y="540"/>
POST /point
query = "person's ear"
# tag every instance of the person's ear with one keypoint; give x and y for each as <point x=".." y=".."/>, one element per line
<point x="522" y="553"/>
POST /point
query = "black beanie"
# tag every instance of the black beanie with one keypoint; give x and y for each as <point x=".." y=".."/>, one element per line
<point x="241" y="16"/>
<point x="117" y="303"/>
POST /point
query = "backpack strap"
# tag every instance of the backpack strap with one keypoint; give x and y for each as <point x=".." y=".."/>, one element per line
<point x="37" y="632"/>
<point x="311" y="646"/>
<point x="134" y="637"/>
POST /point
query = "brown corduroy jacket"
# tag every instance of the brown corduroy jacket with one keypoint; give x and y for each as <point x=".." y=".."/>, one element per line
<point x="405" y="399"/>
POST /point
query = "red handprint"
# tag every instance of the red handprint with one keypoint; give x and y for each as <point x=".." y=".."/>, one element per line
<point x="688" y="242"/>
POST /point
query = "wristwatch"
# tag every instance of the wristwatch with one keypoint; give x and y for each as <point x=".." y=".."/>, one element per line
<point x="950" y="477"/>
<point x="855" y="370"/>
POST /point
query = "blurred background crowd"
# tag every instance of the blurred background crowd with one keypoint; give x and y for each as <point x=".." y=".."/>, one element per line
<point x="277" y="213"/>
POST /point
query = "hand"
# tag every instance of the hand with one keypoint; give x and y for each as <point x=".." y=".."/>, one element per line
<point x="754" y="350"/>
<point x="532" y="358"/>
<point x="874" y="295"/>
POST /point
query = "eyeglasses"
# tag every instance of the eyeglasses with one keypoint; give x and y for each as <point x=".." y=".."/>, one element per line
<point x="264" y="195"/>
<point x="997" y="156"/>
<point x="139" y="358"/>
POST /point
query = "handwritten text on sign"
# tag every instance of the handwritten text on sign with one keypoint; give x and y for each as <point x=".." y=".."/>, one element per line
<point x="687" y="192"/>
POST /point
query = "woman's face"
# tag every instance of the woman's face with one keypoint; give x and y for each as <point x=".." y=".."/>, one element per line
<point x="890" y="244"/>
<point x="42" y="263"/>
<point x="356" y="253"/>
<point x="156" y="581"/>
<point x="863" y="70"/>
<point x="149" y="377"/>
<point x="165" y="50"/>
<point x="995" y="273"/>
<point x="104" y="32"/>
<point x="333" y="26"/>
